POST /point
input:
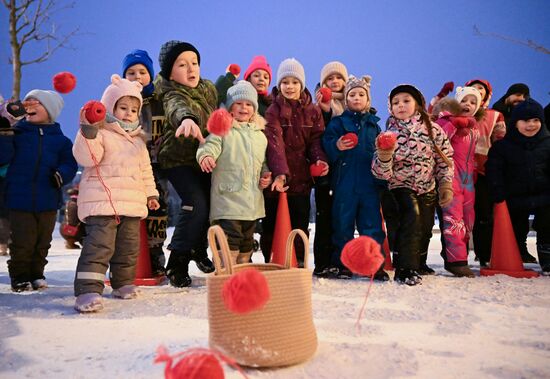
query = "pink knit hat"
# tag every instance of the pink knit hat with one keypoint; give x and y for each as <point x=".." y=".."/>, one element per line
<point x="258" y="63"/>
<point x="119" y="88"/>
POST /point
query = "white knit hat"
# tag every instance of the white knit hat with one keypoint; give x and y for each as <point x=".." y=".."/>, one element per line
<point x="50" y="100"/>
<point x="119" y="88"/>
<point x="243" y="90"/>
<point x="291" y="67"/>
<point x="331" y="68"/>
<point x="462" y="92"/>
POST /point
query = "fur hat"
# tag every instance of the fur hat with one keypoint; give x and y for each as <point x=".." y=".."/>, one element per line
<point x="138" y="57"/>
<point x="486" y="85"/>
<point x="243" y="90"/>
<point x="331" y="68"/>
<point x="411" y="90"/>
<point x="50" y="100"/>
<point x="258" y="63"/>
<point x="462" y="92"/>
<point x="170" y="51"/>
<point x="291" y="67"/>
<point x="362" y="82"/>
<point x="119" y="88"/>
<point x="526" y="110"/>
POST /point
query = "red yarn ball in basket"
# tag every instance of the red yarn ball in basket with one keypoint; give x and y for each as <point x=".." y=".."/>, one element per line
<point x="362" y="256"/>
<point x="219" y="122"/>
<point x="351" y="137"/>
<point x="386" y="140"/>
<point x="246" y="291"/>
<point x="94" y="111"/>
<point x="64" y="82"/>
<point x="326" y="94"/>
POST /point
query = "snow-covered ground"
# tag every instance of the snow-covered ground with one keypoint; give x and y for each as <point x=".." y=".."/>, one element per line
<point x="487" y="327"/>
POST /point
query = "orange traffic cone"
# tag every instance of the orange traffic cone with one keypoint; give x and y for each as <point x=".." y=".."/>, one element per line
<point x="144" y="273"/>
<point x="281" y="232"/>
<point x="505" y="256"/>
<point x="386" y="247"/>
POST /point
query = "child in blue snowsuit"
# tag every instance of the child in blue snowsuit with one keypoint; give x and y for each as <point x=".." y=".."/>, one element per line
<point x="355" y="190"/>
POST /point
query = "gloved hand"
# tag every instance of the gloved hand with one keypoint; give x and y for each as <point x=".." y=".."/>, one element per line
<point x="89" y="131"/>
<point x="385" y="155"/>
<point x="446" y="89"/>
<point x="235" y="69"/>
<point x="16" y="109"/>
<point x="56" y="180"/>
<point x="445" y="194"/>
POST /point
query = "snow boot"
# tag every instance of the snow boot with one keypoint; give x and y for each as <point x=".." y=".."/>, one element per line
<point x="424" y="269"/>
<point x="459" y="270"/>
<point x="244" y="257"/>
<point x="543" y="251"/>
<point x="321" y="272"/>
<point x="129" y="291"/>
<point x="528" y="258"/>
<point x="88" y="302"/>
<point x="157" y="261"/>
<point x="20" y="285"/>
<point x="407" y="276"/>
<point x="177" y="269"/>
<point x="202" y="261"/>
<point x="39" y="284"/>
<point x="381" y="275"/>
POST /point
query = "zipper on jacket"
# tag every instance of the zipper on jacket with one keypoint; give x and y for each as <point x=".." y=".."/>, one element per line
<point x="468" y="155"/>
<point x="37" y="168"/>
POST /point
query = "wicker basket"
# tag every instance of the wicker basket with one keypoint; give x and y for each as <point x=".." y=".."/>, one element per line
<point x="282" y="333"/>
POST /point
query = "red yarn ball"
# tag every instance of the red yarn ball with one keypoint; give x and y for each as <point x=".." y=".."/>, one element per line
<point x="387" y="140"/>
<point x="351" y="137"/>
<point x="316" y="170"/>
<point x="235" y="69"/>
<point x="219" y="122"/>
<point x="326" y="94"/>
<point x="362" y="256"/>
<point x="64" y="82"/>
<point x="246" y="291"/>
<point x="94" y="111"/>
<point x="197" y="365"/>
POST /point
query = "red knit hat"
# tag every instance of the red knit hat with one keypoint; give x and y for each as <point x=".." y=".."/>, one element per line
<point x="259" y="62"/>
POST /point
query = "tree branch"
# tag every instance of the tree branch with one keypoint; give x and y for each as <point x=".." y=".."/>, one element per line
<point x="529" y="43"/>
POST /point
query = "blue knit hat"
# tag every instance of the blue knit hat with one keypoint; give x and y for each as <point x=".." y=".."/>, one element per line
<point x="140" y="57"/>
<point x="243" y="90"/>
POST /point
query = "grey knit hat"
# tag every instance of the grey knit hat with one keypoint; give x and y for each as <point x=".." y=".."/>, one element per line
<point x="332" y="68"/>
<point x="51" y="100"/>
<point x="243" y="90"/>
<point x="362" y="82"/>
<point x="291" y="67"/>
<point x="170" y="51"/>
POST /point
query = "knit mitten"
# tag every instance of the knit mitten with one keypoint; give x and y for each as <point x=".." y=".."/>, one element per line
<point x="445" y="194"/>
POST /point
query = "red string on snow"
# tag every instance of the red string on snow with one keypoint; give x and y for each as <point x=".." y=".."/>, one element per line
<point x="195" y="363"/>
<point x="64" y="82"/>
<point x="386" y="140"/>
<point x="94" y="111"/>
<point x="352" y="137"/>
<point x="235" y="69"/>
<point x="316" y="169"/>
<point x="326" y="94"/>
<point x="219" y="122"/>
<point x="362" y="256"/>
<point x="246" y="291"/>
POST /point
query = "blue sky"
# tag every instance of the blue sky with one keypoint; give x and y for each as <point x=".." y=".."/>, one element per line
<point x="425" y="43"/>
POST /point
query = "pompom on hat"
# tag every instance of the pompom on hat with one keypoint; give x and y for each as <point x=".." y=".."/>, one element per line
<point x="119" y="88"/>
<point x="291" y="67"/>
<point x="462" y="92"/>
<point x="331" y="68"/>
<point x="259" y="62"/>
<point x="50" y="100"/>
<point x="170" y="51"/>
<point x="243" y="90"/>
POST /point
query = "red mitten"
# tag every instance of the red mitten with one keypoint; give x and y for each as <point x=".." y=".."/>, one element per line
<point x="316" y="170"/>
<point x="351" y="137"/>
<point x="94" y="111"/>
<point x="235" y="69"/>
<point x="64" y="82"/>
<point x="386" y="141"/>
<point x="446" y="89"/>
<point x="460" y="122"/>
<point x="219" y="122"/>
<point x="326" y="94"/>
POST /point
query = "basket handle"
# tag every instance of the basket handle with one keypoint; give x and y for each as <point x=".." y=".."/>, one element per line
<point x="216" y="233"/>
<point x="290" y="246"/>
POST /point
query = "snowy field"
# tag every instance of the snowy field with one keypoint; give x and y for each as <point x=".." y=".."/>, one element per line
<point x="487" y="327"/>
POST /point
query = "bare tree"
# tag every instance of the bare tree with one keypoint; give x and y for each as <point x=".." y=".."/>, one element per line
<point x="30" y="21"/>
<point x="533" y="45"/>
